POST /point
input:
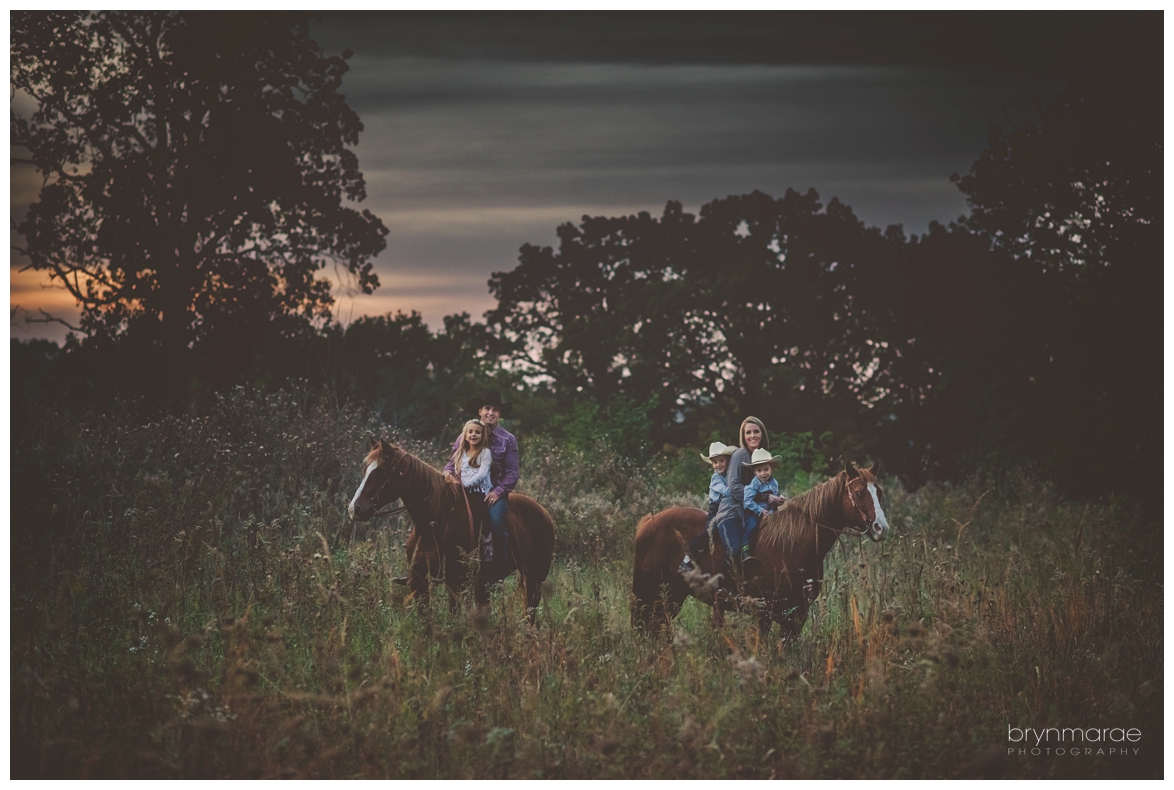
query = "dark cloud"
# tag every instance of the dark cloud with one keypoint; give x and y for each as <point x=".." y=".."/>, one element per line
<point x="486" y="131"/>
<point x="471" y="151"/>
<point x="1007" y="40"/>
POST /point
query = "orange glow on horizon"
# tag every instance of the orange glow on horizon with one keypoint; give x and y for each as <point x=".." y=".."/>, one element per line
<point x="433" y="296"/>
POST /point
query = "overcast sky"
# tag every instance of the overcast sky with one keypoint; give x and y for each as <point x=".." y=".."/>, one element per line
<point x="484" y="132"/>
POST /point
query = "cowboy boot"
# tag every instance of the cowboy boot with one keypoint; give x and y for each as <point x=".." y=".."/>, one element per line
<point x="487" y="549"/>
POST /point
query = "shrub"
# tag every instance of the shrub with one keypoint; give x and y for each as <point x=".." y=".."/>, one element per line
<point x="189" y="601"/>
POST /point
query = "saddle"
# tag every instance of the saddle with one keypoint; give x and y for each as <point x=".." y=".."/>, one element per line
<point x="711" y="562"/>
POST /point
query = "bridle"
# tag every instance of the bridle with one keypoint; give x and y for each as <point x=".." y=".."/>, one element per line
<point x="397" y="471"/>
<point x="854" y="532"/>
<point x="864" y="519"/>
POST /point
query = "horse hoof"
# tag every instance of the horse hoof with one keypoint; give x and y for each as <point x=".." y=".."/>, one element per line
<point x="400" y="580"/>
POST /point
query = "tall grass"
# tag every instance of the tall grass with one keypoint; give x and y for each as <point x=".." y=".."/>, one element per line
<point x="188" y="600"/>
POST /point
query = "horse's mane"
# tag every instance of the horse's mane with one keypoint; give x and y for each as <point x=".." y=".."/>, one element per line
<point x="375" y="456"/>
<point x="427" y="477"/>
<point x="794" y="522"/>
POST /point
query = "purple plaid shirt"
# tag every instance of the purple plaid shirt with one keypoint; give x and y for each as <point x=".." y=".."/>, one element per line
<point x="503" y="473"/>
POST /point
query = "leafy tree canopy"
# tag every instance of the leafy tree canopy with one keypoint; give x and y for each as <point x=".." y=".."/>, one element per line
<point x="197" y="169"/>
<point x="1077" y="196"/>
<point x="759" y="305"/>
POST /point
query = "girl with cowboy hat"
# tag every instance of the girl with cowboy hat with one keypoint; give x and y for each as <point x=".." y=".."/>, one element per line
<point x="503" y="470"/>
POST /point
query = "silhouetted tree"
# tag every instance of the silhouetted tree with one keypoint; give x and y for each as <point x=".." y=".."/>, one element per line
<point x="979" y="331"/>
<point x="1077" y="199"/>
<point x="764" y="306"/>
<point x="196" y="168"/>
<point x="410" y="376"/>
<point x="602" y="316"/>
<point x="799" y="295"/>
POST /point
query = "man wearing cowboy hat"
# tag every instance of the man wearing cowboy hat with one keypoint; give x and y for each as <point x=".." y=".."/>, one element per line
<point x="503" y="473"/>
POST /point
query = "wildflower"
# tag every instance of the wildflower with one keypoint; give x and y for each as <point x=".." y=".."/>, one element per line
<point x="703" y="585"/>
<point x="749" y="604"/>
<point x="748" y="669"/>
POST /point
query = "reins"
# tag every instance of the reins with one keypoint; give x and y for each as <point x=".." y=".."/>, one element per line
<point x="402" y="508"/>
<point x="399" y="509"/>
<point x="398" y="471"/>
<point x="858" y="534"/>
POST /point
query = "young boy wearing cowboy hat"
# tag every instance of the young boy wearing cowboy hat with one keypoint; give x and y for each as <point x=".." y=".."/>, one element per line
<point x="758" y="491"/>
<point x="719" y="459"/>
<point x="503" y="471"/>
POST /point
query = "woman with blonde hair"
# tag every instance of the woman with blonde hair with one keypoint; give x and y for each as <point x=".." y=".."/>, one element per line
<point x="472" y="461"/>
<point x="732" y="520"/>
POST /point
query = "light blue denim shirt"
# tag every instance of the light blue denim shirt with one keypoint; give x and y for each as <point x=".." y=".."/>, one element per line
<point x="718" y="487"/>
<point x="755" y="487"/>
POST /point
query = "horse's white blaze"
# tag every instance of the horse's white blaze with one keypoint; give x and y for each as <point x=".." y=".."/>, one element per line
<point x="371" y="467"/>
<point x="881" y="521"/>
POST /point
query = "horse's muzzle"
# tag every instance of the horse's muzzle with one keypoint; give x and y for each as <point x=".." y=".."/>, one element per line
<point x="362" y="511"/>
<point x="878" y="531"/>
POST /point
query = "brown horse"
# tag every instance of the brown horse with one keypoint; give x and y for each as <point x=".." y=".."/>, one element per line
<point x="788" y="550"/>
<point x="443" y="535"/>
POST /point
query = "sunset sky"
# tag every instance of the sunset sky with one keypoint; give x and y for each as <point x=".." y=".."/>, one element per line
<point x="484" y="132"/>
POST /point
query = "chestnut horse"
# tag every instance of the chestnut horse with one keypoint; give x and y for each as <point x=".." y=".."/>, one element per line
<point x="788" y="551"/>
<point x="442" y="534"/>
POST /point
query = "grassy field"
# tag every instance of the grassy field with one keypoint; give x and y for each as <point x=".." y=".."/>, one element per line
<point x="188" y="600"/>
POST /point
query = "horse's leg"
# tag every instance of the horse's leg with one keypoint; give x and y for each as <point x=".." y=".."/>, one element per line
<point x="766" y="615"/>
<point x="643" y="597"/>
<point x="453" y="583"/>
<point x="480" y="591"/>
<point x="418" y="581"/>
<point x="669" y="606"/>
<point x="533" y="597"/>
<point x="764" y="623"/>
<point x="656" y="601"/>
<point x="791" y="618"/>
<point x="454" y="597"/>
<point x="425" y="567"/>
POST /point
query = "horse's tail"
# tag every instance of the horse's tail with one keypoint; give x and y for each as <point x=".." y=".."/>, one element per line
<point x="646" y="575"/>
<point x="534" y="565"/>
<point x="542" y="543"/>
<point x="657" y="589"/>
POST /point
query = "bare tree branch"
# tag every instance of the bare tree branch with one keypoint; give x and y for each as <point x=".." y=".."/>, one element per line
<point x="48" y="318"/>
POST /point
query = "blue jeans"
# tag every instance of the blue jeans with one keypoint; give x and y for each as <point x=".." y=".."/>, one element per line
<point x="731" y="530"/>
<point x="751" y="525"/>
<point x="497" y="516"/>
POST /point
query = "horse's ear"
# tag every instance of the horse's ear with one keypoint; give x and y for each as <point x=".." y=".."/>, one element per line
<point x="851" y="470"/>
<point x="875" y="470"/>
<point x="375" y="442"/>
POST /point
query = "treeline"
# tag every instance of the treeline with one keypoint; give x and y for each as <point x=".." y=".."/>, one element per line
<point x="1028" y="331"/>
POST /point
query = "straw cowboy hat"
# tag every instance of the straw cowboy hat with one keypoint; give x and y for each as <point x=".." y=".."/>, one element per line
<point x="761" y="457"/>
<point x="716" y="449"/>
<point x="490" y="398"/>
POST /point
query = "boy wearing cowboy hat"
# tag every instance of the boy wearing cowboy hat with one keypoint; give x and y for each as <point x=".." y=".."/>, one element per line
<point x="503" y="472"/>
<point x="758" y="492"/>
<point x="719" y="459"/>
